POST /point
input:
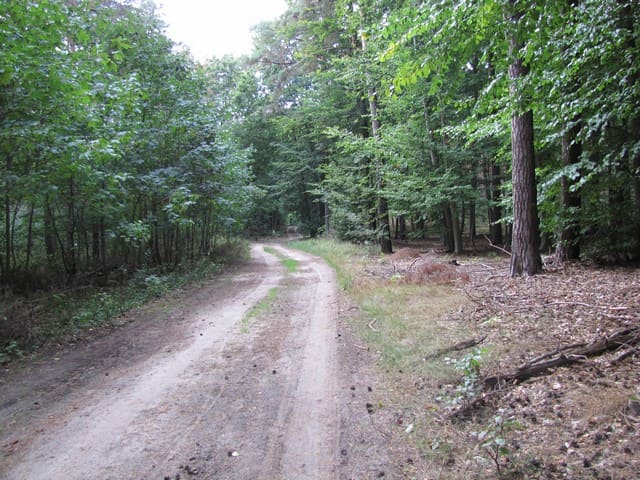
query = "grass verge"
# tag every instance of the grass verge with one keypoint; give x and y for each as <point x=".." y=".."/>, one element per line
<point x="346" y="259"/>
<point x="403" y="322"/>
<point x="406" y="325"/>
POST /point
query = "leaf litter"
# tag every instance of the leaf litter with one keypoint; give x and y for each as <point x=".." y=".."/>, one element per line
<point x="576" y="422"/>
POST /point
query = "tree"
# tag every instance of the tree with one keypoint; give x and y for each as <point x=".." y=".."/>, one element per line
<point x="525" y="246"/>
<point x="117" y="151"/>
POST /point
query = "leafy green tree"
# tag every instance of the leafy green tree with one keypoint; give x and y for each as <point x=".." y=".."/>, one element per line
<point x="117" y="151"/>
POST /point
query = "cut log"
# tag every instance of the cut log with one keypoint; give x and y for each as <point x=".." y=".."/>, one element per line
<point x="565" y="357"/>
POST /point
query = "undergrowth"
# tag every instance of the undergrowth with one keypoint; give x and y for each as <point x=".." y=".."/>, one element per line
<point x="27" y="325"/>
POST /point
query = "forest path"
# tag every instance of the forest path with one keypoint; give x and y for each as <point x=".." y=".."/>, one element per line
<point x="237" y="381"/>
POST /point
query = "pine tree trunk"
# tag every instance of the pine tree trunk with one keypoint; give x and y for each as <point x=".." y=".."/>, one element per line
<point x="635" y="164"/>
<point x="49" y="233"/>
<point x="447" y="232"/>
<point x="525" y="250"/>
<point x="402" y="227"/>
<point x="7" y="238"/>
<point x="27" y="262"/>
<point x="8" y="253"/>
<point x="384" y="227"/>
<point x="327" y="218"/>
<point x="71" y="263"/>
<point x="472" y="211"/>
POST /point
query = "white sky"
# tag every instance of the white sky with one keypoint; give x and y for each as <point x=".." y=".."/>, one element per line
<point x="216" y="27"/>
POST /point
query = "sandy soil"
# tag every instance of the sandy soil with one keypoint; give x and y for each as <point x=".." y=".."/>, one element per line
<point x="199" y="387"/>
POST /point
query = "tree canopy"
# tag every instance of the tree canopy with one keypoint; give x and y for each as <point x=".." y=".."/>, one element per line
<point x="366" y="119"/>
<point x="117" y="150"/>
<point x="434" y="106"/>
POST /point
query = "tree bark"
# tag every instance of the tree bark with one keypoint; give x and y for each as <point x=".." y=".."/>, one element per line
<point x="402" y="227"/>
<point x="386" y="246"/>
<point x="493" y="196"/>
<point x="49" y="233"/>
<point x="568" y="246"/>
<point x="72" y="267"/>
<point x="327" y="217"/>
<point x="472" y="222"/>
<point x="525" y="252"/>
<point x="635" y="165"/>
<point x="455" y="228"/>
<point x="27" y="261"/>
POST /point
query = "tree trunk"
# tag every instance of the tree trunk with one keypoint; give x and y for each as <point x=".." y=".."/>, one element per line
<point x="156" y="254"/>
<point x="384" y="230"/>
<point x="636" y="198"/>
<point x="472" y="222"/>
<point x="49" y="233"/>
<point x="402" y="227"/>
<point x="382" y="208"/>
<point x="495" y="210"/>
<point x="7" y="237"/>
<point x="568" y="246"/>
<point x="525" y="251"/>
<point x="27" y="261"/>
<point x="95" y="245"/>
<point x="72" y="267"/>
<point x="6" y="271"/>
<point x="327" y="218"/>
<point x="629" y="15"/>
<point x="447" y="232"/>
<point x="455" y="229"/>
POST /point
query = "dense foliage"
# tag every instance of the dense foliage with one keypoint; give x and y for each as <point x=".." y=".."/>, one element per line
<point x="366" y="119"/>
<point x="422" y="104"/>
<point x="116" y="149"/>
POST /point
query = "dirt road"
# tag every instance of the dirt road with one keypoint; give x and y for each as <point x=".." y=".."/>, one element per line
<point x="239" y="380"/>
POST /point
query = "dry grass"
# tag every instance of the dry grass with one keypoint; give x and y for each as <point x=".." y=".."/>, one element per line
<point x="406" y="324"/>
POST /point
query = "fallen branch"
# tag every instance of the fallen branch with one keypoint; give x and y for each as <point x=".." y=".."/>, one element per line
<point x="370" y="325"/>
<point x="565" y="357"/>
<point x="624" y="355"/>
<point x="551" y="354"/>
<point x="487" y="266"/>
<point x="582" y="304"/>
<point x="491" y="244"/>
<point x="456" y="348"/>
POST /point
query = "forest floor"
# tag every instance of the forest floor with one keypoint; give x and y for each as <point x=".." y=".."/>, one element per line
<point x="271" y="372"/>
<point x="579" y="421"/>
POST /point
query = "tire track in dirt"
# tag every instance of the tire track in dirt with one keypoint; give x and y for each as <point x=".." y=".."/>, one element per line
<point x="309" y="422"/>
<point x="185" y="411"/>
